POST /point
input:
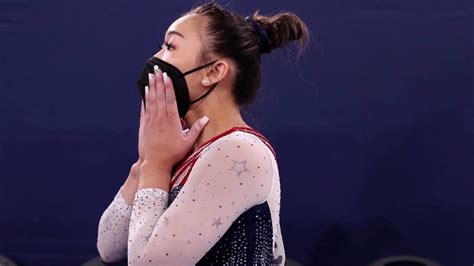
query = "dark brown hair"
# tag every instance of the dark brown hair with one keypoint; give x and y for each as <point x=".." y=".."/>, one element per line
<point x="232" y="36"/>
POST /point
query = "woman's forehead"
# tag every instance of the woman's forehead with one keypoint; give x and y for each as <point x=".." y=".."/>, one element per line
<point x="188" y="26"/>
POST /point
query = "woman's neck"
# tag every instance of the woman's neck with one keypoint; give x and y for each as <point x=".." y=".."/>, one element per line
<point x="218" y="123"/>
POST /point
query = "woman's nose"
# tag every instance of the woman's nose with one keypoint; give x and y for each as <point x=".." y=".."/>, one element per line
<point x="158" y="54"/>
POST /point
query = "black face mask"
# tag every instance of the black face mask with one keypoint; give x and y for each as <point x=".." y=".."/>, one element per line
<point x="179" y="82"/>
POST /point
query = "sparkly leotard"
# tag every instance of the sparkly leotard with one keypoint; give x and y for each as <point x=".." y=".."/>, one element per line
<point x="223" y="208"/>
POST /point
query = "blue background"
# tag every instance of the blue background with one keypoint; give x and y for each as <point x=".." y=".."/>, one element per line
<point x="373" y="126"/>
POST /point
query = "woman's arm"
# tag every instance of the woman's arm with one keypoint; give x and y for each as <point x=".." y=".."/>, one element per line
<point x="232" y="175"/>
<point x="129" y="188"/>
<point x="114" y="222"/>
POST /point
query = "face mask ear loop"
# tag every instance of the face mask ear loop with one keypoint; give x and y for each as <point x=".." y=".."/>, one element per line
<point x="204" y="95"/>
<point x="200" y="67"/>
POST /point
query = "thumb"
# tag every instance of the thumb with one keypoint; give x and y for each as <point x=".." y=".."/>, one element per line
<point x="196" y="129"/>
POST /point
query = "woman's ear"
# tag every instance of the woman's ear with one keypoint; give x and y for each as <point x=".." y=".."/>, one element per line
<point x="215" y="73"/>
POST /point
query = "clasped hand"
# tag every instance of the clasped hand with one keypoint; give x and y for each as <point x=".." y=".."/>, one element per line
<point x="161" y="140"/>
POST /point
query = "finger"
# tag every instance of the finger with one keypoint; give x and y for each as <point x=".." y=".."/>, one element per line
<point x="160" y="91"/>
<point x="147" y="106"/>
<point x="151" y="101"/>
<point x="171" y="106"/>
<point x="142" y="112"/>
<point x="196" y="129"/>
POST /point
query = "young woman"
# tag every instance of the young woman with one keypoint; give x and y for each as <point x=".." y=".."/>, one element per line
<point x="209" y="194"/>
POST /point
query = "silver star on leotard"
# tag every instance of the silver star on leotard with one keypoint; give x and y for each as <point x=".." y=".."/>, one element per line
<point x="167" y="220"/>
<point x="217" y="222"/>
<point x="239" y="167"/>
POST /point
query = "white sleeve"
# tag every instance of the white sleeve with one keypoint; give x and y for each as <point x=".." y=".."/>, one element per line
<point x="233" y="174"/>
<point x="113" y="230"/>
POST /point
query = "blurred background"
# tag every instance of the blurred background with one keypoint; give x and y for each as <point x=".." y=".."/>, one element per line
<point x="373" y="126"/>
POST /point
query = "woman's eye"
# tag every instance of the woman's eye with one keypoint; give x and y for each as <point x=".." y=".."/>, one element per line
<point x="168" y="46"/>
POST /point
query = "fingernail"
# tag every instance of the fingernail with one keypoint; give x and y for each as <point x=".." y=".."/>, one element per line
<point x="165" y="76"/>
<point x="204" y="120"/>
<point x="156" y="68"/>
<point x="146" y="89"/>
<point x="150" y="76"/>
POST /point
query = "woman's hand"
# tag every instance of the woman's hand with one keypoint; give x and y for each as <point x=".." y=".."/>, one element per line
<point x="135" y="169"/>
<point x="141" y="156"/>
<point x="162" y="142"/>
<point x="129" y="188"/>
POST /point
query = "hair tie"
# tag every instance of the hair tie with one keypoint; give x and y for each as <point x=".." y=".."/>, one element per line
<point x="262" y="35"/>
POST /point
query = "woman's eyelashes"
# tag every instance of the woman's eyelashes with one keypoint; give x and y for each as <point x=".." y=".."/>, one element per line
<point x="168" y="46"/>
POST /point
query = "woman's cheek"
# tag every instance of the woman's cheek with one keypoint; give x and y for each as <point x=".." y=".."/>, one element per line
<point x="192" y="83"/>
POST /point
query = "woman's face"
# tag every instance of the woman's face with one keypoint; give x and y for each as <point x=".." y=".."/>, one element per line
<point x="183" y="48"/>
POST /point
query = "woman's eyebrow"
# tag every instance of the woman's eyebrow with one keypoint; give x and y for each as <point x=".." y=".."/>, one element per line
<point x="175" y="32"/>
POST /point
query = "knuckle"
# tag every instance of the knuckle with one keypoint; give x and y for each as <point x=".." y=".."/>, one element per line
<point x="170" y="98"/>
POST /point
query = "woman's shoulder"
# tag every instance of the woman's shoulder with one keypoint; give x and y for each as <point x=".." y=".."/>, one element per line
<point x="242" y="154"/>
<point x="247" y="144"/>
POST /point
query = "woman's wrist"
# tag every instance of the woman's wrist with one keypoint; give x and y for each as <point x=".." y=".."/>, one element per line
<point x="154" y="175"/>
<point x="154" y="166"/>
<point x="135" y="169"/>
<point x="129" y="188"/>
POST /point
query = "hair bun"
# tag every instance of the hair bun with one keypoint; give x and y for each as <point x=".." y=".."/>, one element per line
<point x="262" y="35"/>
<point x="280" y="29"/>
